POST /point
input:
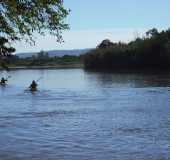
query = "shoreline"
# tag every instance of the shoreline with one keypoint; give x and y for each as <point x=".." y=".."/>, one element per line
<point x="81" y="66"/>
<point x="75" y="66"/>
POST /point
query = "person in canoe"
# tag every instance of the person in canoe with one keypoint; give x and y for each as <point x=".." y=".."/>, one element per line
<point x="3" y="81"/>
<point x="33" y="86"/>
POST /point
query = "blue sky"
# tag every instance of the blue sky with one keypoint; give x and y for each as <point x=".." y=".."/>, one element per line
<point x="91" y="21"/>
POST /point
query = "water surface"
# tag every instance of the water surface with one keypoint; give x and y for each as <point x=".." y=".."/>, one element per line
<point x="84" y="115"/>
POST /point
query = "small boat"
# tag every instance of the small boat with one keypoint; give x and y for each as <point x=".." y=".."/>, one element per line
<point x="3" y="84"/>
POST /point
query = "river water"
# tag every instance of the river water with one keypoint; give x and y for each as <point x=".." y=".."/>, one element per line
<point x="79" y="115"/>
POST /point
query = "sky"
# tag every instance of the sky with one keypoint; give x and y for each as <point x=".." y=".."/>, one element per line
<point x="91" y="21"/>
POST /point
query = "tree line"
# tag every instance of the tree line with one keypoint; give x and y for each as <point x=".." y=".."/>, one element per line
<point x="150" y="52"/>
<point x="42" y="59"/>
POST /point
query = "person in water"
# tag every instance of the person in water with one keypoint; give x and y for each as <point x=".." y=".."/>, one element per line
<point x="3" y="80"/>
<point x="33" y="86"/>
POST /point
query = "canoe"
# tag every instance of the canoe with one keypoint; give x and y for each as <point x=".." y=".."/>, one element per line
<point x="3" y="84"/>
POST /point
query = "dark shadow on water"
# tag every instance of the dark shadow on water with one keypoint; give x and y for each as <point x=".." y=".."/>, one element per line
<point x="131" y="79"/>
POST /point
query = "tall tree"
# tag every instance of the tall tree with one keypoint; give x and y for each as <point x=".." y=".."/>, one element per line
<point x="19" y="19"/>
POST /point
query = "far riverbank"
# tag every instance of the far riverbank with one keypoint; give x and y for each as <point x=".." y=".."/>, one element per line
<point x="66" y="66"/>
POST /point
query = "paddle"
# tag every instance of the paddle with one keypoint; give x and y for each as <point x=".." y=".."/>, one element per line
<point x="39" y="79"/>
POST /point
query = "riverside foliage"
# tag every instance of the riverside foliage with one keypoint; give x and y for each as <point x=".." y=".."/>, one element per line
<point x="43" y="59"/>
<point x="152" y="51"/>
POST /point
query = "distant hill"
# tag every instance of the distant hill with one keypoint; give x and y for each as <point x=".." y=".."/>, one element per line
<point x="53" y="53"/>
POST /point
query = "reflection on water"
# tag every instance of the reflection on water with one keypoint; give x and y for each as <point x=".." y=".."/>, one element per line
<point x="130" y="79"/>
<point x="85" y="115"/>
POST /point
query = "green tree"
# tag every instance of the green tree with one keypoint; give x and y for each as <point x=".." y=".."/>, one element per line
<point x="150" y="52"/>
<point x="5" y="48"/>
<point x="5" y="51"/>
<point x="19" y="19"/>
<point x="152" y="32"/>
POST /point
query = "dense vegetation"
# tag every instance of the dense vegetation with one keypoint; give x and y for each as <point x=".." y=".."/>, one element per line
<point x="5" y="52"/>
<point x="150" y="52"/>
<point x="43" y="59"/>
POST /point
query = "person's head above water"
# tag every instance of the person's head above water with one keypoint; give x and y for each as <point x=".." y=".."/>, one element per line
<point x="3" y="79"/>
<point x="34" y="83"/>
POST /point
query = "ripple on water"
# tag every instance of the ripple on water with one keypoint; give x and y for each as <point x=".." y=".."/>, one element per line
<point x="88" y="116"/>
<point x="38" y="114"/>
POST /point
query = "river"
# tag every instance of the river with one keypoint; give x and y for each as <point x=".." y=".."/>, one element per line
<point x="80" y="115"/>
